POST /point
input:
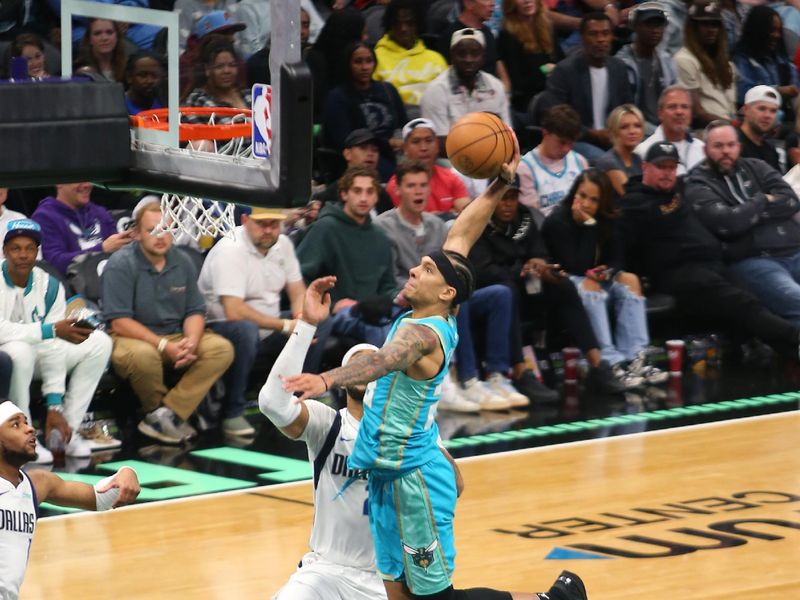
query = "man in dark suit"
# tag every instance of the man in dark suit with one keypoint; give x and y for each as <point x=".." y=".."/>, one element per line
<point x="593" y="82"/>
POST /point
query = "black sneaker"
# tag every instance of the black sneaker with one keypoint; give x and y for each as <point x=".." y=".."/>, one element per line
<point x="601" y="379"/>
<point x="568" y="586"/>
<point x="537" y="392"/>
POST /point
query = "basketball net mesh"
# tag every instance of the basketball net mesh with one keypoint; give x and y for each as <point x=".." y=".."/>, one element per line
<point x="201" y="220"/>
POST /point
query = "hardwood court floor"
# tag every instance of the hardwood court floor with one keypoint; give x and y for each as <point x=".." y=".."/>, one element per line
<point x="731" y="489"/>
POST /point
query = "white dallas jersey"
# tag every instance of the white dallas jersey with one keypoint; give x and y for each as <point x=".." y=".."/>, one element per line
<point x="18" y="513"/>
<point x="542" y="188"/>
<point x="341" y="532"/>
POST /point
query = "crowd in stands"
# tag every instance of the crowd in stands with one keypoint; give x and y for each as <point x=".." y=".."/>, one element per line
<point x="655" y="139"/>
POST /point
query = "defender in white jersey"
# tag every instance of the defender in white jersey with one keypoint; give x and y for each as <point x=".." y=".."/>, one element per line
<point x="21" y="493"/>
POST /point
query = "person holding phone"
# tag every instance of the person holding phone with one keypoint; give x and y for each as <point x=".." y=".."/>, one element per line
<point x="582" y="235"/>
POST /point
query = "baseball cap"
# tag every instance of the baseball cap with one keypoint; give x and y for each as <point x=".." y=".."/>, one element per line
<point x="662" y="151"/>
<point x="360" y="136"/>
<point x="261" y="213"/>
<point x="763" y="93"/>
<point x="468" y="33"/>
<point x="648" y="11"/>
<point x="414" y="123"/>
<point x="217" y="21"/>
<point x="705" y="10"/>
<point x="25" y="227"/>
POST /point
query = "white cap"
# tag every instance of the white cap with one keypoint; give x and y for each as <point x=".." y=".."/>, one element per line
<point x="468" y="33"/>
<point x="145" y="201"/>
<point x="7" y="410"/>
<point x="355" y="350"/>
<point x="763" y="93"/>
<point x="414" y="123"/>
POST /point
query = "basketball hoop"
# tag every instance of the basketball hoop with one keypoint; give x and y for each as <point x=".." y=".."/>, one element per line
<point x="211" y="133"/>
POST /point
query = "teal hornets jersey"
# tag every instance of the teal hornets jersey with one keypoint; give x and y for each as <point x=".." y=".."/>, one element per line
<point x="398" y="431"/>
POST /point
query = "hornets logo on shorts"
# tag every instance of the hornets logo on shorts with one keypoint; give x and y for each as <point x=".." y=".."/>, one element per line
<point x="422" y="557"/>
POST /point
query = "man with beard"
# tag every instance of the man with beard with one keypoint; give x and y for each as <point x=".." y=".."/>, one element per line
<point x="748" y="206"/>
<point x="681" y="257"/>
<point x="21" y="493"/>
<point x="760" y="111"/>
<point x="143" y="75"/>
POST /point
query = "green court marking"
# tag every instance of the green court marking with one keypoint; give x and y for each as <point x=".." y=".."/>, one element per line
<point x="280" y="468"/>
<point x="654" y="415"/>
<point x="159" y="482"/>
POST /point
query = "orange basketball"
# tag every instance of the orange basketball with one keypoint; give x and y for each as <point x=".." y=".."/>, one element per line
<point x="478" y="144"/>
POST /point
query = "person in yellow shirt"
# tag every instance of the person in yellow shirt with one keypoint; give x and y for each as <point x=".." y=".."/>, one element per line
<point x="403" y="59"/>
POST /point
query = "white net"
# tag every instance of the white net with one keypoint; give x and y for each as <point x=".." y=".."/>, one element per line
<point x="201" y="220"/>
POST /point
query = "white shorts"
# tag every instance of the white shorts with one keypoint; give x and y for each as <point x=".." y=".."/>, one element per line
<point x="319" y="579"/>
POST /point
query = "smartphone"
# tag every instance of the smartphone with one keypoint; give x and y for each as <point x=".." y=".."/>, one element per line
<point x="85" y="324"/>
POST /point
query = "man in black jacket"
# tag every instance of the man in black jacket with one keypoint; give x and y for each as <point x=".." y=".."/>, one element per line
<point x="747" y="205"/>
<point x="682" y="258"/>
<point x="511" y="252"/>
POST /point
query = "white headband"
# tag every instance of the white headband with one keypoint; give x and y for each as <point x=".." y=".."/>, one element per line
<point x="355" y="350"/>
<point x="7" y="410"/>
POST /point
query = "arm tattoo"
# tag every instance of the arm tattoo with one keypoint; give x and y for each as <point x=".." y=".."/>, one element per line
<point x="411" y="343"/>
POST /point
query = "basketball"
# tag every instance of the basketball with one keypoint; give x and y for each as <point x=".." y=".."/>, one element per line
<point x="478" y="144"/>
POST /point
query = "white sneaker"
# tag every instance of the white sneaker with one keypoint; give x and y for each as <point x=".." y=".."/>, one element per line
<point x="627" y="378"/>
<point x="501" y="386"/>
<point x="99" y="438"/>
<point x="43" y="455"/>
<point x="77" y="447"/>
<point x="453" y="400"/>
<point x="480" y="393"/>
<point x="638" y="367"/>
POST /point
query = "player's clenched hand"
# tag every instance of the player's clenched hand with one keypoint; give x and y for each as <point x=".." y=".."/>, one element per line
<point x="308" y="385"/>
<point x="128" y="484"/>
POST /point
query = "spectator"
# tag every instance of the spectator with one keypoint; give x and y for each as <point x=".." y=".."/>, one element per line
<point x="761" y="58"/>
<point x="258" y="62"/>
<point x="682" y="258"/>
<point x="414" y="234"/>
<point x="759" y="113"/>
<point x="448" y="193"/>
<point x="511" y="252"/>
<point x="547" y="172"/>
<point x="6" y="216"/>
<point x="157" y="315"/>
<point x="527" y="50"/>
<point x="626" y="124"/>
<point x="463" y="88"/>
<point x="403" y="59"/>
<point x="143" y="76"/>
<point x="675" y="119"/>
<point x="345" y="241"/>
<point x="72" y="225"/>
<point x="474" y="14"/>
<point x="593" y="82"/>
<point x="135" y="35"/>
<point x="732" y="12"/>
<point x="102" y="49"/>
<point x="216" y="25"/>
<point x="222" y="79"/>
<point x="582" y="236"/>
<point x="361" y="149"/>
<point x="748" y="206"/>
<point x="37" y="335"/>
<point x="650" y="70"/>
<point x="703" y="65"/>
<point x="359" y="102"/>
<point x="191" y="11"/>
<point x="244" y="303"/>
<point x="30" y="47"/>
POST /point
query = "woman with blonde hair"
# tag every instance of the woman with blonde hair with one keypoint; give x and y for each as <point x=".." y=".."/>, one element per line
<point x="527" y="51"/>
<point x="620" y="163"/>
<point x="103" y="49"/>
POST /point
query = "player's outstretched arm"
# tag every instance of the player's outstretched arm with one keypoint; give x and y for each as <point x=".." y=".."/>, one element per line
<point x="471" y="222"/>
<point x="273" y="400"/>
<point x="411" y="343"/>
<point x="119" y="489"/>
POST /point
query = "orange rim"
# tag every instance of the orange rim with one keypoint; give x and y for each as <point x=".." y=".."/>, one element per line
<point x="158" y="118"/>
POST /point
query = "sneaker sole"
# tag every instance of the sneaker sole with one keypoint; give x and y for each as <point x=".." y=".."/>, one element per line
<point x="152" y="433"/>
<point x="459" y="408"/>
<point x="239" y="432"/>
<point x="504" y="405"/>
<point x="100" y="446"/>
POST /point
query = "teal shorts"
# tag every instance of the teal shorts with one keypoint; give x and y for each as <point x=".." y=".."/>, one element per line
<point x="411" y="517"/>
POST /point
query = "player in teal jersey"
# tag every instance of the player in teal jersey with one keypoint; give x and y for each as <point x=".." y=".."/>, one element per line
<point x="412" y="485"/>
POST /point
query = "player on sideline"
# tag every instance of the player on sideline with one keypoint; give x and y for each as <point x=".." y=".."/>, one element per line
<point x="341" y="564"/>
<point x="21" y="493"/>
<point x="412" y="486"/>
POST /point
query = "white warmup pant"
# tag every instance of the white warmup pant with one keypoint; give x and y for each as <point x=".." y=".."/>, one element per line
<point x="85" y="363"/>
<point x="319" y="579"/>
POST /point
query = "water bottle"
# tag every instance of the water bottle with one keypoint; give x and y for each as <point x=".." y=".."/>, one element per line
<point x="55" y="443"/>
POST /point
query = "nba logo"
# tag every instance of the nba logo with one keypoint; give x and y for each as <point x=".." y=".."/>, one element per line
<point x="262" y="120"/>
